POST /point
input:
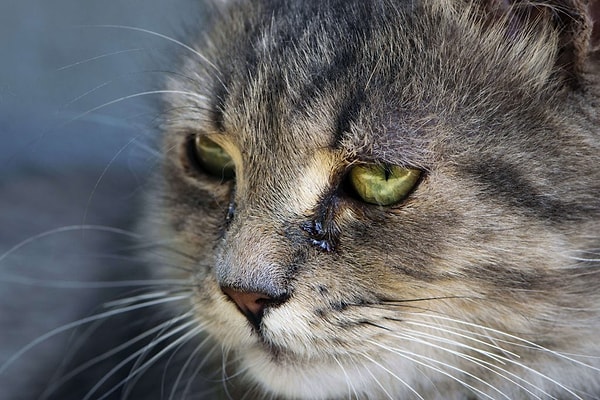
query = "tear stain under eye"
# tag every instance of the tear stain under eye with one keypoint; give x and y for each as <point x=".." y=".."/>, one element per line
<point x="322" y="228"/>
<point x="319" y="236"/>
<point x="230" y="213"/>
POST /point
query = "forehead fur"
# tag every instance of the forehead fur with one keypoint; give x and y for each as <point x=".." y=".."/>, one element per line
<point x="287" y="58"/>
<point x="370" y="78"/>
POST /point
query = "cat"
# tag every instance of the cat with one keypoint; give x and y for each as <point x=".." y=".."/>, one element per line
<point x="370" y="200"/>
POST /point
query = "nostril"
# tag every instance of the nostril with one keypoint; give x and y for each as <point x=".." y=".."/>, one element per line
<point x="251" y="304"/>
<point x="247" y="301"/>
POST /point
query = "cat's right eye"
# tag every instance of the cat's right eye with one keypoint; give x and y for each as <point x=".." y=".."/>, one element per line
<point x="213" y="158"/>
<point x="383" y="184"/>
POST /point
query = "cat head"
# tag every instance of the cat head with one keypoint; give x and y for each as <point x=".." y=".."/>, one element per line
<point x="384" y="197"/>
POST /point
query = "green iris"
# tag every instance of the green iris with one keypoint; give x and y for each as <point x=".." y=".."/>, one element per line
<point x="383" y="185"/>
<point x="214" y="158"/>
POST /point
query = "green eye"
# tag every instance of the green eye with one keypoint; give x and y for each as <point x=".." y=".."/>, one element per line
<point x="383" y="185"/>
<point x="213" y="158"/>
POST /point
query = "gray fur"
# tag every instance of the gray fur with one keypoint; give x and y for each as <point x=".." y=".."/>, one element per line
<point x="498" y="244"/>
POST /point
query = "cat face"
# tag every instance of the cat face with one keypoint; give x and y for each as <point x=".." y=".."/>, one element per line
<point x="468" y="276"/>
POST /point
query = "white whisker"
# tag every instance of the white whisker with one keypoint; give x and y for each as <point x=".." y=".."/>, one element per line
<point x="133" y="96"/>
<point x="186" y="365"/>
<point x="409" y="356"/>
<point x="84" y="321"/>
<point x="132" y="382"/>
<point x="137" y="298"/>
<point x="63" y="229"/>
<point x="91" y="59"/>
<point x="160" y="35"/>
<point x="135" y="355"/>
<point x="392" y="374"/>
<point x="103" y="174"/>
<point x="153" y="152"/>
<point x="530" y="345"/>
<point x="479" y="362"/>
<point x="351" y="388"/>
<point x="519" y="341"/>
<point x="468" y="337"/>
<point x="76" y="371"/>
<point x="90" y="285"/>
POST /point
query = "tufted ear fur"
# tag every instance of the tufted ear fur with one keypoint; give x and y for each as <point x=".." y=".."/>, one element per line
<point x="576" y="22"/>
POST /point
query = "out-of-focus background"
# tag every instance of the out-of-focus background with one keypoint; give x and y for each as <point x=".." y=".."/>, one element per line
<point x="77" y="140"/>
<point x="60" y="63"/>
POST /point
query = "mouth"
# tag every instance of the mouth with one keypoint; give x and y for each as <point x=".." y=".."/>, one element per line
<point x="271" y="347"/>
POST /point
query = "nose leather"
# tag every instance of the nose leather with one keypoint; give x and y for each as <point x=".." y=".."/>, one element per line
<point x="251" y="304"/>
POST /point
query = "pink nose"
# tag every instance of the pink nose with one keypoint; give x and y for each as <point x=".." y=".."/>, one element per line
<point x="248" y="302"/>
<point x="251" y="304"/>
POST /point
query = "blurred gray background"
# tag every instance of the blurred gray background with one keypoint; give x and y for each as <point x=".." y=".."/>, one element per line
<point x="59" y="66"/>
<point x="76" y="148"/>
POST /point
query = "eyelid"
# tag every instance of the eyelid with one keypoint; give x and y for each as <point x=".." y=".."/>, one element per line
<point x="226" y="143"/>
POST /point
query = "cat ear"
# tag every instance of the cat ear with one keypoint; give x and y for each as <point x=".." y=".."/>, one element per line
<point x="577" y="23"/>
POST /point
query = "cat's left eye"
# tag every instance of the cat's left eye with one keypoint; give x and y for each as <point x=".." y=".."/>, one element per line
<point x="383" y="184"/>
<point x="213" y="158"/>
